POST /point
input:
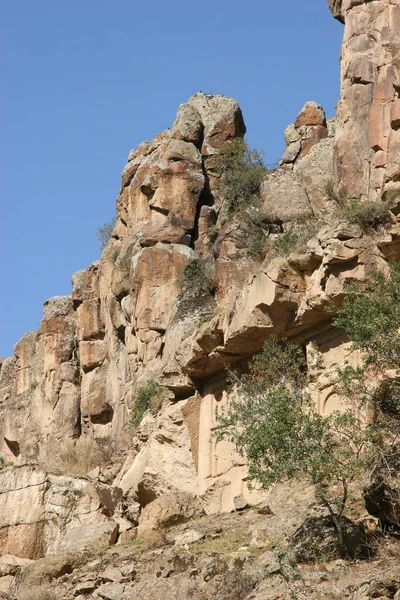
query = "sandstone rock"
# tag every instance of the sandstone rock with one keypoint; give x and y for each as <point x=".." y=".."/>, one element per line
<point x="168" y="510"/>
<point x="308" y="130"/>
<point x="366" y="137"/>
<point x="240" y="502"/>
<point x="92" y="536"/>
<point x="188" y="537"/>
<point x="38" y="509"/>
<point x="92" y="354"/>
<point x="165" y="463"/>
<point x="311" y="114"/>
<point x="188" y="125"/>
<point x="222" y="120"/>
<point x="10" y="563"/>
<point x="284" y="197"/>
<point x="5" y="583"/>
<point x="110" y="591"/>
<point x="335" y="7"/>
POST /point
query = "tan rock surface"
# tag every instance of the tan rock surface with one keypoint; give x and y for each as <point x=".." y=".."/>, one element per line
<point x="168" y="510"/>
<point x="366" y="146"/>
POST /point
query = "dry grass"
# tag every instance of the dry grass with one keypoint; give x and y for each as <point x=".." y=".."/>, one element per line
<point x="225" y="544"/>
<point x="78" y="457"/>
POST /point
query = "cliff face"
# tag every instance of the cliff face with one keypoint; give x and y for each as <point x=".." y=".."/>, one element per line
<point x="67" y="396"/>
<point x="368" y="114"/>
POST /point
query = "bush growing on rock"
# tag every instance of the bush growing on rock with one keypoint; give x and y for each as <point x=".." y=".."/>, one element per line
<point x="241" y="171"/>
<point x="365" y="214"/>
<point x="370" y="316"/>
<point x="295" y="239"/>
<point x="198" y="277"/>
<point x="273" y="422"/>
<point x="104" y="233"/>
<point x="148" y="396"/>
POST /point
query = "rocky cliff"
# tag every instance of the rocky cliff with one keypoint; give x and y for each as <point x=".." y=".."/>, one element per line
<point x="82" y="474"/>
<point x="367" y="137"/>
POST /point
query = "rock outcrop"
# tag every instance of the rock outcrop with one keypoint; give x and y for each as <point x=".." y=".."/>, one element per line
<point x="68" y="393"/>
<point x="138" y="314"/>
<point x="367" y="122"/>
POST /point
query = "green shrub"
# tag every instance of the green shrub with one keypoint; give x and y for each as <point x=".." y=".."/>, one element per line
<point x="295" y="239"/>
<point x="213" y="232"/>
<point x="335" y="194"/>
<point x="104" y="233"/>
<point x="241" y="172"/>
<point x="370" y="316"/>
<point x="273" y="423"/>
<point x="198" y="277"/>
<point x="4" y="464"/>
<point x="365" y="214"/>
<point x="148" y="396"/>
<point x="257" y="244"/>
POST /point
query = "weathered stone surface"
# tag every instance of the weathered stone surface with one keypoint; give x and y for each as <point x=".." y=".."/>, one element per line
<point x="309" y="128"/>
<point x="366" y="146"/>
<point x="67" y="395"/>
<point x="188" y="125"/>
<point x="168" y="510"/>
<point x="335" y="6"/>
<point x="240" y="502"/>
<point x="91" y="536"/>
<point x="222" y="120"/>
<point x="284" y="197"/>
<point x="40" y="509"/>
<point x="165" y="463"/>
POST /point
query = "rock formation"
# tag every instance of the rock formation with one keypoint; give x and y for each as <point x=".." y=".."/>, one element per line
<point x="367" y="121"/>
<point x="68" y="394"/>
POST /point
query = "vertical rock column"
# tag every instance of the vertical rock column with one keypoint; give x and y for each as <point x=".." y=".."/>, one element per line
<point x="367" y="149"/>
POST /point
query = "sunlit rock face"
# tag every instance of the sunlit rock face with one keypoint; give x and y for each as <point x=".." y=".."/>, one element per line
<point x="367" y="123"/>
<point x="67" y="396"/>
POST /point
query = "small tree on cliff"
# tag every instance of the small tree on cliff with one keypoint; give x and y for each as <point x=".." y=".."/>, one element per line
<point x="241" y="171"/>
<point x="104" y="233"/>
<point x="274" y="424"/>
<point x="370" y="316"/>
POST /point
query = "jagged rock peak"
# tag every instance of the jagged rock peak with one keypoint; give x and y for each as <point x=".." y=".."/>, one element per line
<point x="309" y="128"/>
<point x="335" y="6"/>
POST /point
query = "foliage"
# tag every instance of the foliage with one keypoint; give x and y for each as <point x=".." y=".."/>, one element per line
<point x="296" y="237"/>
<point x="257" y="244"/>
<point x="148" y="396"/>
<point x="273" y="422"/>
<point x="365" y="214"/>
<point x="199" y="277"/>
<point x="335" y="194"/>
<point x="370" y="316"/>
<point x="241" y="171"/>
<point x="104" y="233"/>
<point x="4" y="463"/>
<point x="213" y="232"/>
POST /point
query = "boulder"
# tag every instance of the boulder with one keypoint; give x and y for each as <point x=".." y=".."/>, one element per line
<point x="169" y="510"/>
<point x="283" y="197"/>
<point x="89" y="536"/>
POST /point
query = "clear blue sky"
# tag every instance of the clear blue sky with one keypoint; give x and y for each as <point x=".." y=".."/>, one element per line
<point x="84" y="81"/>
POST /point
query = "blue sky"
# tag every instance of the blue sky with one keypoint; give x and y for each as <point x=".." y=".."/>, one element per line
<point x="84" y="81"/>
